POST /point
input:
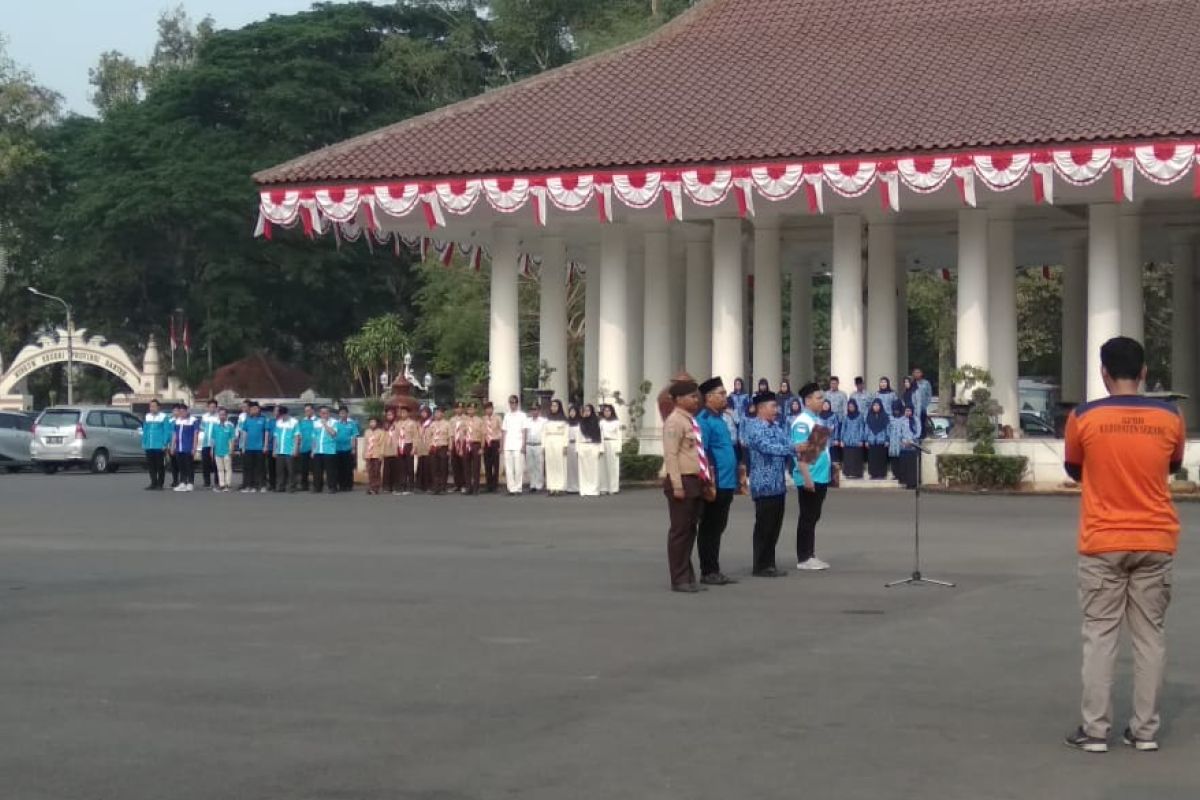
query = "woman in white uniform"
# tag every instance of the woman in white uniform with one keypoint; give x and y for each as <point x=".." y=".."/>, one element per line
<point x="589" y="449"/>
<point x="573" y="450"/>
<point x="610" y="434"/>
<point x="555" y="438"/>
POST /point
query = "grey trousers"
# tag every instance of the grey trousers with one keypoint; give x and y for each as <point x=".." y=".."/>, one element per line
<point x="1130" y="589"/>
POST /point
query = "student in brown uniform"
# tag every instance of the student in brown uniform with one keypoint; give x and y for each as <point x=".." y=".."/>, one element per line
<point x="391" y="462"/>
<point x="491" y="447"/>
<point x="421" y="447"/>
<point x="476" y="433"/>
<point x="406" y="443"/>
<point x="687" y="484"/>
<point x="460" y="444"/>
<point x="440" y="434"/>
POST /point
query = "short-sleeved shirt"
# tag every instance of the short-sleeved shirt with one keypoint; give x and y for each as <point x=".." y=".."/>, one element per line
<point x="305" y="428"/>
<point x="513" y="427"/>
<point x="207" y="423"/>
<point x="347" y="432"/>
<point x="324" y="437"/>
<point x="821" y="470"/>
<point x="536" y="427"/>
<point x="157" y="429"/>
<point x="1126" y="446"/>
<point x="254" y="431"/>
<point x="285" y="436"/>
<point x="220" y="438"/>
<point x="718" y="444"/>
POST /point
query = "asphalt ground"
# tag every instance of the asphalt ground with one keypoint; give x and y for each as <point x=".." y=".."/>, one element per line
<point x="159" y="645"/>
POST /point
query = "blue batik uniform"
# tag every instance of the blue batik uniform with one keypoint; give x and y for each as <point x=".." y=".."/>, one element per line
<point x="770" y="453"/>
<point x="220" y="438"/>
<point x="254" y="433"/>
<point x="854" y="431"/>
<point x="156" y="431"/>
<point x="886" y="399"/>
<point x="785" y="402"/>
<point x="305" y="428"/>
<point x="285" y="436"/>
<point x="739" y="403"/>
<point x="718" y="443"/>
<point x="834" y="423"/>
<point x="863" y="400"/>
<point x="837" y="402"/>
<point x="821" y="470"/>
<point x="347" y="432"/>
<point x="324" y="442"/>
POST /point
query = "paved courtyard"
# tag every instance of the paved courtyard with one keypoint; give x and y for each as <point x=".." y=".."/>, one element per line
<point x="198" y="646"/>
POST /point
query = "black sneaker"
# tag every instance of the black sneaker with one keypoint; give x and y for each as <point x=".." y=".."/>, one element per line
<point x="769" y="572"/>
<point x="1144" y="745"/>
<point x="1088" y="744"/>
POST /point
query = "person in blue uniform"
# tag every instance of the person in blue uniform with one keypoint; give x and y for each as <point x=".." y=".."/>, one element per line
<point x="185" y="441"/>
<point x="783" y="402"/>
<point x="852" y="438"/>
<point x="861" y="395"/>
<point x="877" y="441"/>
<point x="836" y="397"/>
<point x="770" y="453"/>
<point x="304" y="457"/>
<point x="253" y="443"/>
<point x="325" y="431"/>
<point x="208" y="464"/>
<point x="221" y="441"/>
<point x="739" y="400"/>
<point x="902" y="436"/>
<point x="886" y="394"/>
<point x="156" y="435"/>
<point x="722" y="461"/>
<point x="812" y="480"/>
<point x="347" y="433"/>
<point x="285" y="443"/>
<point x="833" y="422"/>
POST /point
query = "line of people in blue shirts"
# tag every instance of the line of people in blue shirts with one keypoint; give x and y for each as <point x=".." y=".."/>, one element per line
<point x="279" y="452"/>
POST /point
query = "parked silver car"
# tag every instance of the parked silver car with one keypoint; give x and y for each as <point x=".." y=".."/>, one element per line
<point x="103" y="438"/>
<point x="16" y="432"/>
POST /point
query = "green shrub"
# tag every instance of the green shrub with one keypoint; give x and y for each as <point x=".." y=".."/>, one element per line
<point x="981" y="471"/>
<point x="640" y="468"/>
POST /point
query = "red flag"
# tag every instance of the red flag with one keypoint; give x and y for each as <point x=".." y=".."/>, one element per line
<point x="944" y="274"/>
<point x="1047" y="273"/>
<point x="173" y="341"/>
<point x="187" y="338"/>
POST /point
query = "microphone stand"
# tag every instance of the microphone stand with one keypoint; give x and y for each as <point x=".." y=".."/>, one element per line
<point x="917" y="579"/>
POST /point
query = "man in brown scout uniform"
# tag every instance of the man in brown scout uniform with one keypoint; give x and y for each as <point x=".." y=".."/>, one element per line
<point x="391" y="462"/>
<point x="406" y="441"/>
<point x="460" y="444"/>
<point x="439" y="433"/>
<point x="476" y="434"/>
<point x="491" y="447"/>
<point x="688" y="481"/>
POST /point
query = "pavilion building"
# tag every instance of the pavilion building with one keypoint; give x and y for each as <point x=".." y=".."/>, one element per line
<point x="690" y="170"/>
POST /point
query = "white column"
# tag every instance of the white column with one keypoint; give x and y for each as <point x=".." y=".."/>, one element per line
<point x="728" y="328"/>
<point x="504" y="350"/>
<point x="1103" y="291"/>
<point x="1002" y="318"/>
<point x="1133" y="302"/>
<point x="903" y="367"/>
<point x="882" y="349"/>
<point x="552" y="313"/>
<point x="677" y="282"/>
<point x="1074" y="319"/>
<point x="614" y="303"/>
<point x="591" y="327"/>
<point x="1183" y="320"/>
<point x="768" y="303"/>
<point x="656" y="357"/>
<point x="800" y="369"/>
<point x="698" y="324"/>
<point x="972" y="341"/>
<point x="846" y="312"/>
<point x="635" y="284"/>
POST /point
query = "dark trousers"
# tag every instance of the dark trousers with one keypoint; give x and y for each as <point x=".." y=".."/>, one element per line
<point x="269" y="461"/>
<point x="424" y="479"/>
<point x="439" y="466"/>
<point x="389" y="480"/>
<point x="877" y="461"/>
<point x="458" y="464"/>
<point x="174" y="470"/>
<point x="304" y="463"/>
<point x="768" y="522"/>
<point x="285" y="473"/>
<point x="208" y="466"/>
<point x="407" y="469"/>
<point x="685" y="517"/>
<point x="252" y="469"/>
<point x="186" y="463"/>
<point x="713" y="520"/>
<point x="324" y="471"/>
<point x="156" y="465"/>
<point x="491" y="465"/>
<point x="810" y="514"/>
<point x="853" y="460"/>
<point x="345" y="470"/>
<point x="474" y="454"/>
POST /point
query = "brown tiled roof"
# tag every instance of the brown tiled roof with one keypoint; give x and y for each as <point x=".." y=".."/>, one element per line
<point x="742" y="80"/>
<point x="257" y="375"/>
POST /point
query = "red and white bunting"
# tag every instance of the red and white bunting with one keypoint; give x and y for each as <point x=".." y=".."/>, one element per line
<point x="1079" y="166"/>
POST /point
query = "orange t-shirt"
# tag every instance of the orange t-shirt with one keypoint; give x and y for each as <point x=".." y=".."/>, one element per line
<point x="1126" y="446"/>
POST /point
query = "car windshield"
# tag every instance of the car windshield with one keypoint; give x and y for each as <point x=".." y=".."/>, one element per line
<point x="57" y="418"/>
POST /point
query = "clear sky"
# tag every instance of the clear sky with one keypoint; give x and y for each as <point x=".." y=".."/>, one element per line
<point x="58" y="40"/>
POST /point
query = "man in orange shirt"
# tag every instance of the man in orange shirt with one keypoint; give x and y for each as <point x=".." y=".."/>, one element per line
<point x="1122" y="450"/>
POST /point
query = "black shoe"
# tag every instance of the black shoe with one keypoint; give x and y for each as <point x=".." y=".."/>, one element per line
<point x="151" y="488"/>
<point x="1144" y="745"/>
<point x="769" y="572"/>
<point x="688" y="588"/>
<point x="1088" y="744"/>
<point x="717" y="579"/>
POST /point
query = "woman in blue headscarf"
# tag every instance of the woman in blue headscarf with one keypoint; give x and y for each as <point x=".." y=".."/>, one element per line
<point x="831" y="421"/>
<point x="853" y="440"/>
<point x="886" y="395"/>
<point x="901" y="439"/>
<point x="877" y="441"/>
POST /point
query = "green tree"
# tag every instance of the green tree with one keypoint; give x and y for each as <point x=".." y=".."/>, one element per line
<point x="378" y="348"/>
<point x="117" y="81"/>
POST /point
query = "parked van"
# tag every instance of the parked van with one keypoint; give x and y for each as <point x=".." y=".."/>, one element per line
<point x="100" y="437"/>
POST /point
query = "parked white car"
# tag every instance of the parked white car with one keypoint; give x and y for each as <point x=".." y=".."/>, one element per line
<point x="99" y="437"/>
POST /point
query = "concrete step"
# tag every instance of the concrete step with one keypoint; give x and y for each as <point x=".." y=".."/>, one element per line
<point x="866" y="485"/>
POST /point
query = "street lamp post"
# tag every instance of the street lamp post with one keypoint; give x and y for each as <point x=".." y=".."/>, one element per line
<point x="70" y="341"/>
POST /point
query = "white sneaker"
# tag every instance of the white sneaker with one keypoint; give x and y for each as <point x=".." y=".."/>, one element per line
<point x="190" y="488"/>
<point x="814" y="564"/>
<point x="180" y="488"/>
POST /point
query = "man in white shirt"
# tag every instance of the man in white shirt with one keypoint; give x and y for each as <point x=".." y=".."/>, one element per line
<point x="535" y="462"/>
<point x="208" y="464"/>
<point x="515" y="430"/>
